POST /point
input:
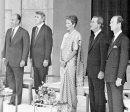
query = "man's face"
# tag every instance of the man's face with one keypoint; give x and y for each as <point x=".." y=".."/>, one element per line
<point x="94" y="25"/>
<point x="38" y="19"/>
<point x="113" y="24"/>
<point x="14" y="21"/>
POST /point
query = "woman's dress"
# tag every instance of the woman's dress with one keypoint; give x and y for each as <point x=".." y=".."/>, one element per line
<point x="68" y="91"/>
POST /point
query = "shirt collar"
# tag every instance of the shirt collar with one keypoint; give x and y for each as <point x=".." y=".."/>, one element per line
<point x="39" y="26"/>
<point x="16" y="28"/>
<point x="117" y="34"/>
<point x="96" y="33"/>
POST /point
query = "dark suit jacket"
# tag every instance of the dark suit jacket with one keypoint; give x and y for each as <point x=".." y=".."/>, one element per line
<point x="97" y="53"/>
<point x="16" y="49"/>
<point x="117" y="59"/>
<point x="41" y="48"/>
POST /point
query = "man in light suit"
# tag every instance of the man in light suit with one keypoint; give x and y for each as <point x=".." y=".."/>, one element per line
<point x="41" y="48"/>
<point x="116" y="64"/>
<point x="15" y="54"/>
<point x="97" y="52"/>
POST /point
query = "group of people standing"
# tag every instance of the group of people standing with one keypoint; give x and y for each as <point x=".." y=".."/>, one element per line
<point x="17" y="48"/>
<point x="106" y="64"/>
<point x="107" y="61"/>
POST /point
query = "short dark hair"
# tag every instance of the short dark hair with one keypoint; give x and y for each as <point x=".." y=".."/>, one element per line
<point x="18" y="17"/>
<point x="119" y="19"/>
<point x="99" y="20"/>
<point x="42" y="14"/>
<point x="73" y="19"/>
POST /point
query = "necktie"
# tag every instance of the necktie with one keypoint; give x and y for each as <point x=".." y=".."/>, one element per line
<point x="94" y="37"/>
<point x="36" y="32"/>
<point x="113" y="39"/>
<point x="12" y="32"/>
<point x="92" y="40"/>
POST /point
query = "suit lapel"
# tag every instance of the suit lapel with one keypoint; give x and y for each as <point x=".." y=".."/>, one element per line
<point x="16" y="35"/>
<point x="94" y="41"/>
<point x="38" y="35"/>
<point x="115" y="42"/>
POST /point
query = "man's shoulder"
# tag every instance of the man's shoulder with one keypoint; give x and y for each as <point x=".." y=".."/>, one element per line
<point x="47" y="27"/>
<point x="23" y="29"/>
<point x="124" y="37"/>
<point x="102" y="34"/>
<point x="9" y="29"/>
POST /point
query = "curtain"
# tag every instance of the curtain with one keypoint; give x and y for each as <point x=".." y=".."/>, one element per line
<point x="109" y="8"/>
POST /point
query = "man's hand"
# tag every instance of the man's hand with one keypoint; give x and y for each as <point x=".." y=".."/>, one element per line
<point x="22" y="63"/>
<point x="101" y="75"/>
<point x="45" y="63"/>
<point x="118" y="82"/>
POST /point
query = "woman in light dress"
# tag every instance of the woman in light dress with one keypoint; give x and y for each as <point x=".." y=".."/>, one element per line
<point x="70" y="56"/>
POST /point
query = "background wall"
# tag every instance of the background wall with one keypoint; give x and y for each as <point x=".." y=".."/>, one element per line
<point x="62" y="8"/>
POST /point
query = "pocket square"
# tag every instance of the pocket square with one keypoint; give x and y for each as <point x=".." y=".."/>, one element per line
<point x="115" y="46"/>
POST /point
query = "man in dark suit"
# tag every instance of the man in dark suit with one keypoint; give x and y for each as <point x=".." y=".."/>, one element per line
<point x="40" y="50"/>
<point x="15" y="54"/>
<point x="117" y="60"/>
<point x="97" y="52"/>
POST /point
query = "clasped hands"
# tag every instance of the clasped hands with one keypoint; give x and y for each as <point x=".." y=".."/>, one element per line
<point x="64" y="63"/>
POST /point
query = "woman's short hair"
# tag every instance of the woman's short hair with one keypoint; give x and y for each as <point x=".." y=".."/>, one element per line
<point x="73" y="19"/>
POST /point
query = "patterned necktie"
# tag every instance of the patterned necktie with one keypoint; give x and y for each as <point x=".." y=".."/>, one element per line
<point x="12" y="32"/>
<point x="36" y="32"/>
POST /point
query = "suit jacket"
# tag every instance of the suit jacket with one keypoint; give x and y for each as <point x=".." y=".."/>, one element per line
<point x="16" y="49"/>
<point x="117" y="59"/>
<point x="97" y="53"/>
<point x="41" y="47"/>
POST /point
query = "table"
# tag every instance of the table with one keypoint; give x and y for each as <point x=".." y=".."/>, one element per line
<point x="2" y="95"/>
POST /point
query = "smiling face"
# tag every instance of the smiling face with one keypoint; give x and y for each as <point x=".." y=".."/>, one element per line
<point x="69" y="25"/>
<point x="38" y="19"/>
<point x="14" y="21"/>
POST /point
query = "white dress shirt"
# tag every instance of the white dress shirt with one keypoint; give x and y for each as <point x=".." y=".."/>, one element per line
<point x="96" y="34"/>
<point x="15" y="30"/>
<point x="116" y="35"/>
<point x="39" y="27"/>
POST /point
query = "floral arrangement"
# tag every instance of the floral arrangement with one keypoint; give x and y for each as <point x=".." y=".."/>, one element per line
<point x="46" y="95"/>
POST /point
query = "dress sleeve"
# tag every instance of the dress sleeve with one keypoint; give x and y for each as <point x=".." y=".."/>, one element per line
<point x="77" y="42"/>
